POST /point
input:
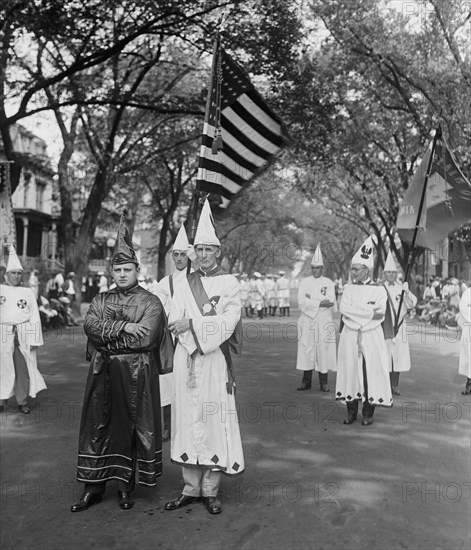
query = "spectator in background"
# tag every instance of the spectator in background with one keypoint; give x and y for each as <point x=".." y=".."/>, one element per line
<point x="69" y="287"/>
<point x="454" y="294"/>
<point x="437" y="286"/>
<point x="429" y="292"/>
<point x="33" y="283"/>
<point x="102" y="282"/>
<point x="59" y="284"/>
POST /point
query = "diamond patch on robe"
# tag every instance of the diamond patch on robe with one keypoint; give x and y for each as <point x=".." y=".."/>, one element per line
<point x="381" y="400"/>
<point x="371" y="400"/>
<point x="236" y="466"/>
<point x="349" y="397"/>
<point x="359" y="395"/>
<point x="215" y="459"/>
<point x="339" y="393"/>
<point x="3" y="299"/>
<point x="184" y="457"/>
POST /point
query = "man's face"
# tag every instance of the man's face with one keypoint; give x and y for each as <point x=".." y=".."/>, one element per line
<point x="180" y="259"/>
<point x="359" y="273"/>
<point x="207" y="255"/>
<point x="14" y="278"/>
<point x="390" y="276"/>
<point x="125" y="275"/>
<point x="316" y="270"/>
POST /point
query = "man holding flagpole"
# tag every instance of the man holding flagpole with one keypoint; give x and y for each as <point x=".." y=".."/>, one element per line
<point x="363" y="366"/>
<point x="205" y="319"/>
<point x="397" y="343"/>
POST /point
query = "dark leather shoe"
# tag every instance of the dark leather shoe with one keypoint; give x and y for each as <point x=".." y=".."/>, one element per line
<point x="24" y="409"/>
<point x="180" y="502"/>
<point x="325" y="387"/>
<point x="302" y="387"/>
<point x="125" y="500"/>
<point x="213" y="505"/>
<point x="351" y="418"/>
<point x="86" y="500"/>
<point x="367" y="421"/>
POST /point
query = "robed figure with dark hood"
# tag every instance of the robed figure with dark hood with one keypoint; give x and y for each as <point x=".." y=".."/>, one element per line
<point x="129" y="345"/>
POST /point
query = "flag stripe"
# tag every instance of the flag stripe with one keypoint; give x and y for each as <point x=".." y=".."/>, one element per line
<point x="216" y="164"/>
<point x="241" y="174"/>
<point x="235" y="133"/>
<point x="231" y="153"/>
<point x="250" y="131"/>
<point x="258" y="120"/>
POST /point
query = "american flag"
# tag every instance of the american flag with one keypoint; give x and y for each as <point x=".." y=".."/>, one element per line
<point x="250" y="134"/>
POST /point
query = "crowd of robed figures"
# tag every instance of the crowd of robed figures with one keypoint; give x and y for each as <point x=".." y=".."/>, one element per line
<point x="173" y="347"/>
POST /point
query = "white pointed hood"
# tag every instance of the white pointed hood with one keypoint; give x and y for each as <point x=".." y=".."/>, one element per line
<point x="14" y="263"/>
<point x="364" y="254"/>
<point x="317" y="259"/>
<point x="206" y="232"/>
<point x="390" y="264"/>
<point x="181" y="242"/>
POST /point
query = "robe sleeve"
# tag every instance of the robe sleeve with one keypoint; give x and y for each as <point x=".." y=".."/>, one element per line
<point x="306" y="302"/>
<point x="360" y="314"/>
<point x="465" y="305"/>
<point x="35" y="323"/>
<point x="99" y="330"/>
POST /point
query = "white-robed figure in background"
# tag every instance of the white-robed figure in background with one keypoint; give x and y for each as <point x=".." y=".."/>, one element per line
<point x="317" y="347"/>
<point x="258" y="294"/>
<point x="205" y="318"/>
<point x="397" y="344"/>
<point x="165" y="291"/>
<point x="464" y="320"/>
<point x="282" y="288"/>
<point x="21" y="335"/>
<point x="363" y="366"/>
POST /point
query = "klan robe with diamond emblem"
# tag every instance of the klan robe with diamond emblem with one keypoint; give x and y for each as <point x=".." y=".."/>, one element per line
<point x="205" y="429"/>
<point x="122" y="401"/>
<point x="19" y="317"/>
<point x="398" y="345"/>
<point x="361" y="339"/>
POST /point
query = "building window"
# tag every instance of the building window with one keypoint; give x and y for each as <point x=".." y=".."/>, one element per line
<point x="40" y="188"/>
<point x="27" y="181"/>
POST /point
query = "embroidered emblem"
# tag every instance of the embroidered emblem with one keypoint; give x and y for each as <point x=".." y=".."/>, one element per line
<point x="184" y="457"/>
<point x="214" y="300"/>
<point x="366" y="252"/>
<point x="22" y="304"/>
<point x="207" y="308"/>
<point x="3" y="299"/>
<point x="324" y="290"/>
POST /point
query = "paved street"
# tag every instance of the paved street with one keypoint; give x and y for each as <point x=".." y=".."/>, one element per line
<point x="310" y="483"/>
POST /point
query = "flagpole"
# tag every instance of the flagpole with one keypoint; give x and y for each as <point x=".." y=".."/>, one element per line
<point x="438" y="133"/>
<point x="196" y="194"/>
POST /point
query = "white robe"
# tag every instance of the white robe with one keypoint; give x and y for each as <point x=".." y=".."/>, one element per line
<point x="317" y="347"/>
<point x="398" y="347"/>
<point x="357" y="308"/>
<point x="18" y="307"/>
<point x="464" y="320"/>
<point x="164" y="294"/>
<point x="282" y="286"/>
<point x="205" y="427"/>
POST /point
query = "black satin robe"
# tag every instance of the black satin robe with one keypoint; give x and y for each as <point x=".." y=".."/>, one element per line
<point x="121" y="405"/>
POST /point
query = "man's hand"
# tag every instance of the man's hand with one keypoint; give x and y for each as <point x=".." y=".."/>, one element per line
<point x="137" y="330"/>
<point x="405" y="287"/>
<point x="378" y="313"/>
<point x="179" y="327"/>
<point x="326" y="303"/>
